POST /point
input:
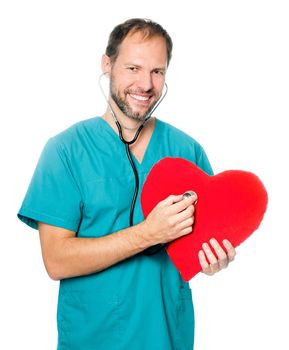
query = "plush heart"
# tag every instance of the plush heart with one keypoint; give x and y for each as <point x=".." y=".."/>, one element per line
<point x="230" y="206"/>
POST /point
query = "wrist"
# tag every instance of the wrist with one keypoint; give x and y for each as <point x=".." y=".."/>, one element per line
<point x="140" y="236"/>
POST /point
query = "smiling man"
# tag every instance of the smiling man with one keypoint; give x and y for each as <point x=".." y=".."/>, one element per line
<point x="137" y="78"/>
<point x="114" y="292"/>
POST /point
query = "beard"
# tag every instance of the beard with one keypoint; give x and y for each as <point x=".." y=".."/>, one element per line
<point x="125" y="107"/>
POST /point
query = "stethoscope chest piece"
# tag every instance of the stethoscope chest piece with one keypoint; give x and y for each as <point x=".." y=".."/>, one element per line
<point x="189" y="194"/>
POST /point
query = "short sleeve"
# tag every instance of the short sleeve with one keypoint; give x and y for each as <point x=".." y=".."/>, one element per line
<point x="53" y="196"/>
<point x="203" y="162"/>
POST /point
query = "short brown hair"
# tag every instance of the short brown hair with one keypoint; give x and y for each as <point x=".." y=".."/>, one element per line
<point x="147" y="27"/>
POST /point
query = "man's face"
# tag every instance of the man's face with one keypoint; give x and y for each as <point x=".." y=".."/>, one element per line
<point x="138" y="75"/>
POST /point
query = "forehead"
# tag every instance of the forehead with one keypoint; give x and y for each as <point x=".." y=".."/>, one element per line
<point x="137" y="47"/>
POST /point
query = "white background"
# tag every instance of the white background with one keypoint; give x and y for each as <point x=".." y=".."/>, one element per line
<point x="228" y="88"/>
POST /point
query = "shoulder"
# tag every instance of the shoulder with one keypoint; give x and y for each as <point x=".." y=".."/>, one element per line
<point x="75" y="135"/>
<point x="178" y="136"/>
<point x="180" y="144"/>
<point x="77" y="130"/>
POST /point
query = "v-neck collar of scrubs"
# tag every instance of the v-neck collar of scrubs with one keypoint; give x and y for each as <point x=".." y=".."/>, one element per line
<point x="150" y="146"/>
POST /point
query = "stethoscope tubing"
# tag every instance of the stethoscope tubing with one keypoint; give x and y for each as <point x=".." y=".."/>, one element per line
<point x="154" y="249"/>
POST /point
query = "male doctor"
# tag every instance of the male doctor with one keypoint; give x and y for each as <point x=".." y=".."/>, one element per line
<point x="112" y="294"/>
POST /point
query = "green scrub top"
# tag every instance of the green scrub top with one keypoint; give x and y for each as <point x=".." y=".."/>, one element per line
<point x="83" y="182"/>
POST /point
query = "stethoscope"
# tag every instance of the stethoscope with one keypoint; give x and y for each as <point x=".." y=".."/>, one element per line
<point x="154" y="249"/>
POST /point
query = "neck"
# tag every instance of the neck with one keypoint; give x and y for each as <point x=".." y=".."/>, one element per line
<point x="128" y="124"/>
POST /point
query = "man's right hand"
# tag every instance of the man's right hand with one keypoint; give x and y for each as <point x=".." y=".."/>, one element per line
<point x="170" y="219"/>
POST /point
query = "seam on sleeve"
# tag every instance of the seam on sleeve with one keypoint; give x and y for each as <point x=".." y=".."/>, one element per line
<point x="31" y="217"/>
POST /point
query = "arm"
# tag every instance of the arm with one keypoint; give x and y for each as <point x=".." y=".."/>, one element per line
<point x="66" y="255"/>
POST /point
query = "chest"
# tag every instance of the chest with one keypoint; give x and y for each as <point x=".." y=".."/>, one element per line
<point x="139" y="148"/>
<point x="107" y="183"/>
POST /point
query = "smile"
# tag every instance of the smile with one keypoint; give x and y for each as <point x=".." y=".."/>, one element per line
<point x="140" y="98"/>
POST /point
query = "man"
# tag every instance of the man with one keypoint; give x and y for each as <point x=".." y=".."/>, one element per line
<point x="112" y="294"/>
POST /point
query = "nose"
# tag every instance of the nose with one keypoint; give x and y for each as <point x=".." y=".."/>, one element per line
<point x="145" y="81"/>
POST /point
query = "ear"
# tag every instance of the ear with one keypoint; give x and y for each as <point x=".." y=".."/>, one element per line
<point x="105" y="64"/>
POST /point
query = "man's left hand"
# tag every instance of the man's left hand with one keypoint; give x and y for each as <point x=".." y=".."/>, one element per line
<point x="212" y="263"/>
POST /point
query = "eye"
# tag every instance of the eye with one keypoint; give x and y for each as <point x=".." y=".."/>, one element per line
<point x="159" y="72"/>
<point x="132" y="69"/>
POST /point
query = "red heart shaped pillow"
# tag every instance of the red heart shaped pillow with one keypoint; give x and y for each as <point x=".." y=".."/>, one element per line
<point x="230" y="206"/>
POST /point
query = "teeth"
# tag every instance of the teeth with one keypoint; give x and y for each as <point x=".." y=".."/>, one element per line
<point x="140" y="98"/>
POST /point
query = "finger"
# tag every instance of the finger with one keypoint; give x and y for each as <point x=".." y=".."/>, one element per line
<point x="221" y="254"/>
<point x="214" y="265"/>
<point x="182" y="205"/>
<point x="185" y="231"/>
<point x="170" y="200"/>
<point x="188" y="223"/>
<point x="204" y="264"/>
<point x="185" y="214"/>
<point x="231" y="252"/>
<point x="209" y="253"/>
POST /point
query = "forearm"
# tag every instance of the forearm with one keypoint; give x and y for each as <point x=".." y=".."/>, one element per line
<point x="76" y="256"/>
<point x="67" y="256"/>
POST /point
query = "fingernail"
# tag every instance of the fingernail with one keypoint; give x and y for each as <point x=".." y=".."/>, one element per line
<point x="213" y="241"/>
